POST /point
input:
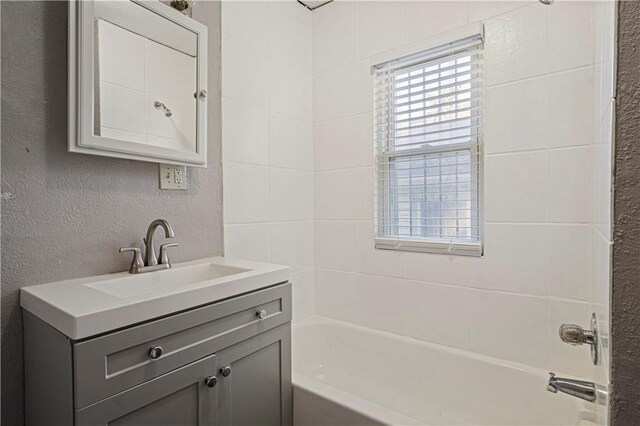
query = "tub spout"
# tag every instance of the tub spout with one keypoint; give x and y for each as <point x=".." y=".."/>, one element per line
<point x="578" y="388"/>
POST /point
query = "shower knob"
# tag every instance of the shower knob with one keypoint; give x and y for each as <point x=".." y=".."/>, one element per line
<point x="575" y="335"/>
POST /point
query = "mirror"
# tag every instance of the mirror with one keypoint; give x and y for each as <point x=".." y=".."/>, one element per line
<point x="137" y="82"/>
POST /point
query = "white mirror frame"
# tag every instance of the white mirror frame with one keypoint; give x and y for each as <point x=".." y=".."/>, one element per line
<point x="81" y="90"/>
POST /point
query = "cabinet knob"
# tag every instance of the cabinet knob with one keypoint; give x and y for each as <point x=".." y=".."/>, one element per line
<point x="225" y="371"/>
<point x="210" y="381"/>
<point x="262" y="314"/>
<point x="155" y="352"/>
<point x="202" y="94"/>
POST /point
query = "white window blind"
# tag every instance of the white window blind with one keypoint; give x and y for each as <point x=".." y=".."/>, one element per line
<point x="428" y="135"/>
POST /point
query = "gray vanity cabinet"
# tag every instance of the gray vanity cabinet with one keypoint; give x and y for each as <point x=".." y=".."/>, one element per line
<point x="177" y="398"/>
<point x="254" y="391"/>
<point x="226" y="363"/>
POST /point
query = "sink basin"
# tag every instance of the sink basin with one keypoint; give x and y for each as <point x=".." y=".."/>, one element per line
<point x="162" y="281"/>
<point x="85" y="307"/>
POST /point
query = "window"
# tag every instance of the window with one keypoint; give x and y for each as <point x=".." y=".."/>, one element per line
<point x="428" y="135"/>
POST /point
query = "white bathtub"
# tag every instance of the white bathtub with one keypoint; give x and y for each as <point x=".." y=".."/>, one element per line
<point x="344" y="374"/>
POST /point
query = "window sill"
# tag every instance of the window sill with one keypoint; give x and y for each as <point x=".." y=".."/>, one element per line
<point x="455" y="248"/>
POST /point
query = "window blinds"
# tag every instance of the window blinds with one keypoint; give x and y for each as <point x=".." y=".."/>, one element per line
<point x="428" y="135"/>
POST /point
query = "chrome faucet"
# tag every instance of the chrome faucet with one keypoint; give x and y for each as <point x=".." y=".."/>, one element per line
<point x="150" y="258"/>
<point x="578" y="388"/>
<point x="151" y="261"/>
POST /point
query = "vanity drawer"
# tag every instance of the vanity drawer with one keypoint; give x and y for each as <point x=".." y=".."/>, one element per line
<point x="114" y="362"/>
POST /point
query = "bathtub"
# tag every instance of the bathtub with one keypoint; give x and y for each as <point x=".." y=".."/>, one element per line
<point x="345" y="374"/>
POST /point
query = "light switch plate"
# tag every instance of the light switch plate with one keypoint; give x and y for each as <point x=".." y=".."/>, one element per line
<point x="173" y="176"/>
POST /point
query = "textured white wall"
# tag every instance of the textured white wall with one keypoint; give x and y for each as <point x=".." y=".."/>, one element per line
<point x="267" y="138"/>
<point x="540" y="140"/>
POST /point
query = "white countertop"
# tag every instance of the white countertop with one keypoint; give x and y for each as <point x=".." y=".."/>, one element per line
<point x="84" y="307"/>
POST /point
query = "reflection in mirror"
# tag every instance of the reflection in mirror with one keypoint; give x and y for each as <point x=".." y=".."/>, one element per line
<point x="144" y="88"/>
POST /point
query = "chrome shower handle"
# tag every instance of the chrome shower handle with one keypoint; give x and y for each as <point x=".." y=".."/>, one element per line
<point x="575" y="335"/>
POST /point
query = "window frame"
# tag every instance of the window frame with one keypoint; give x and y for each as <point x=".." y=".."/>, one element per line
<point x="384" y="157"/>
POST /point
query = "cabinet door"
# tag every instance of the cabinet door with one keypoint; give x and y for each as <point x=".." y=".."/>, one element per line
<point x="181" y="397"/>
<point x="257" y="390"/>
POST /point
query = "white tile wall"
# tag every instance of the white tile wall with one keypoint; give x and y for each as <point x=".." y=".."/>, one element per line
<point x="290" y="47"/>
<point x="569" y="185"/>
<point x="517" y="45"/>
<point x="268" y="139"/>
<point x="344" y="284"/>
<point x="291" y="142"/>
<point x="333" y="93"/>
<point x="571" y="102"/>
<point x="363" y="99"/>
<point x="425" y="19"/>
<point x="335" y="245"/>
<point x="303" y="293"/>
<point x="511" y="326"/>
<point x="378" y="262"/>
<point x="333" y="36"/>
<point x="245" y="52"/>
<point x="343" y="143"/>
<point x="291" y="195"/>
<point x="547" y="168"/>
<point x="517" y="187"/>
<point x="481" y="10"/>
<point x="246" y="199"/>
<point x="517" y="258"/>
<point x="245" y="133"/>
<point x="240" y="241"/>
<point x="570" y="21"/>
<point x="344" y="194"/>
<point x="429" y="305"/>
<point x="378" y="26"/>
<point x="292" y="244"/>
<point x="515" y="126"/>
<point x="569" y="261"/>
<point x="543" y="100"/>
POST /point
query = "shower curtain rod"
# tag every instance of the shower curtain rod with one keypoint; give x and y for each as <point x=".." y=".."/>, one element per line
<point x="314" y="8"/>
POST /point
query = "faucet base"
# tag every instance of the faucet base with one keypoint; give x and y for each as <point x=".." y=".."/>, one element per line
<point x="142" y="269"/>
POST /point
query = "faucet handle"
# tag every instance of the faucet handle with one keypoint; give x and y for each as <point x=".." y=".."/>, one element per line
<point x="137" y="263"/>
<point x="164" y="258"/>
<point x="575" y="335"/>
<point x="572" y="334"/>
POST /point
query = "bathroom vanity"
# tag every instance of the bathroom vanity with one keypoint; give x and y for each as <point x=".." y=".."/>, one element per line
<point x="203" y="343"/>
